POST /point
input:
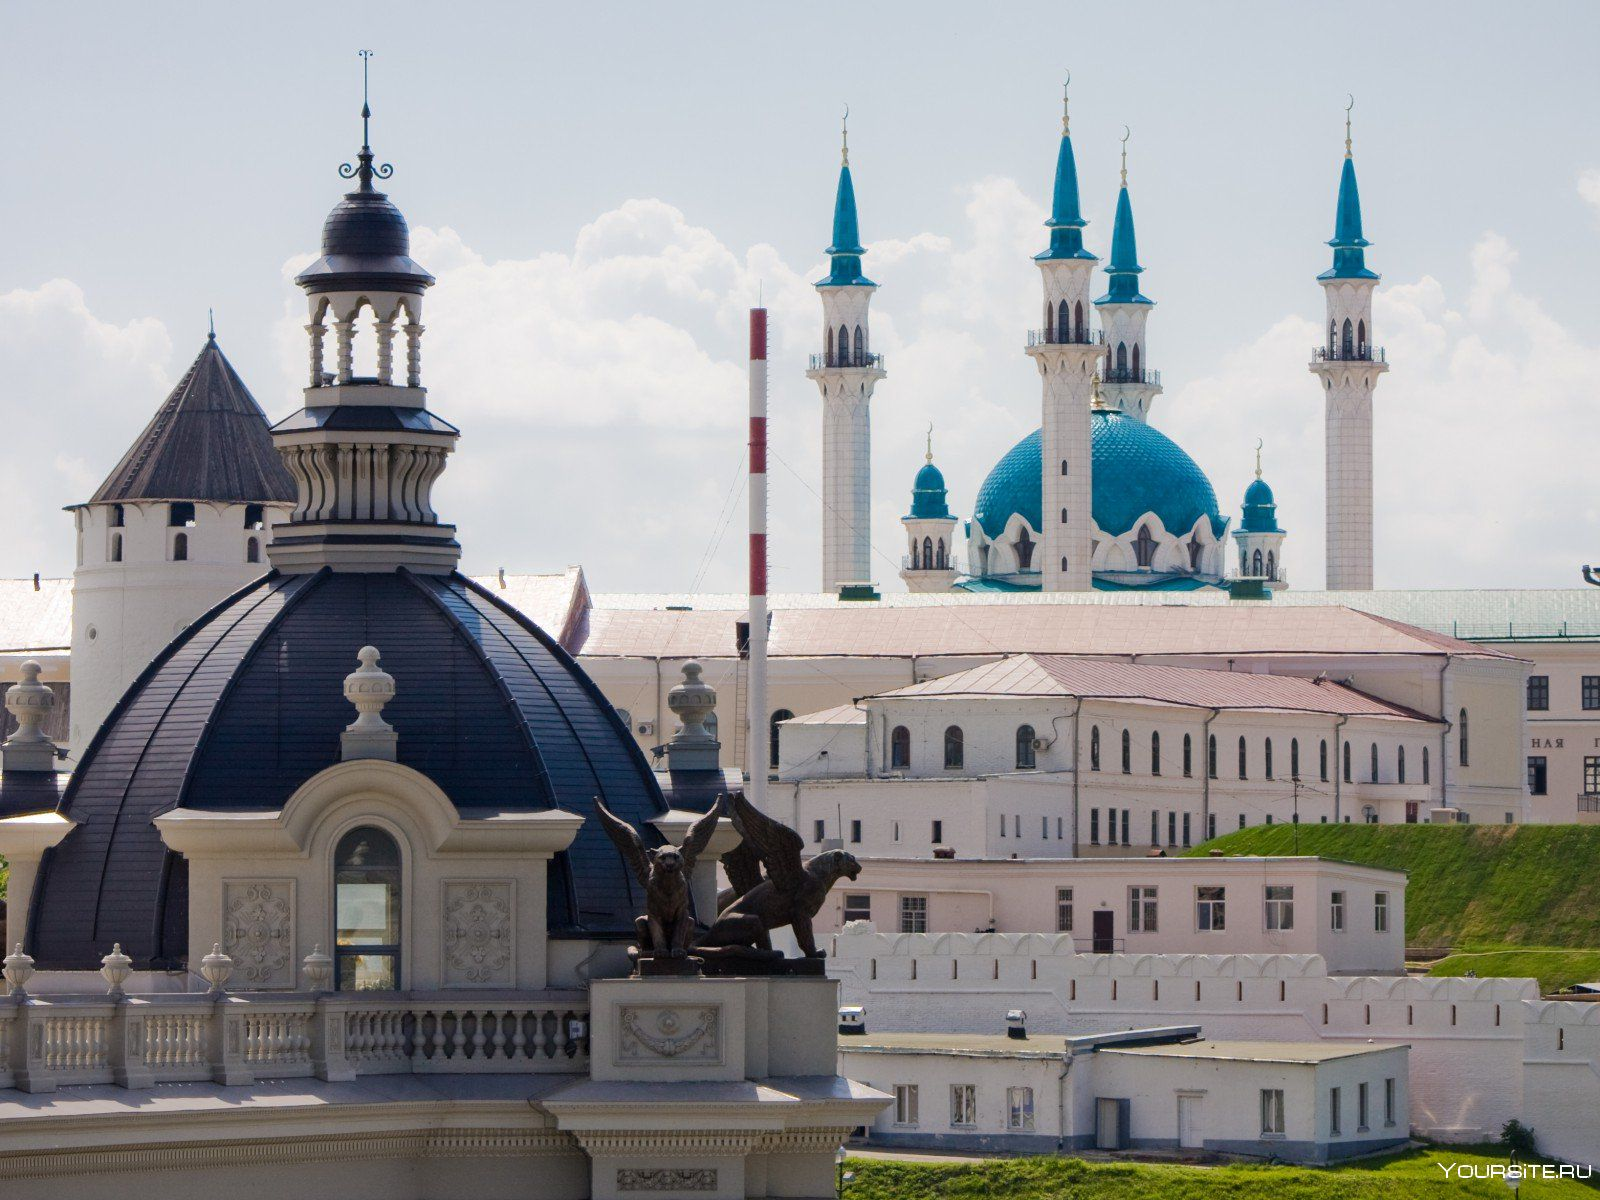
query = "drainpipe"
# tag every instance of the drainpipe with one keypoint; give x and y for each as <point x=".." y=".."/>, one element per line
<point x="1077" y="773"/>
<point x="1061" y="1102"/>
<point x="1205" y="775"/>
<point x="1446" y="704"/>
<point x="1338" y="767"/>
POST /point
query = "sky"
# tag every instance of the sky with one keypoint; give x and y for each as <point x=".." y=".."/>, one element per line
<point x="603" y="190"/>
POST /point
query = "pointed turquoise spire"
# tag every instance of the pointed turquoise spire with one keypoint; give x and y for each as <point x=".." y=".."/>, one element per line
<point x="846" y="248"/>
<point x="1066" y="215"/>
<point x="1349" y="247"/>
<point x="1124" y="271"/>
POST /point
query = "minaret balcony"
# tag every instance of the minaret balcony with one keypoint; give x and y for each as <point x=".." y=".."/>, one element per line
<point x="1066" y="337"/>
<point x="950" y="563"/>
<point x="869" y="362"/>
<point x="1350" y="354"/>
<point x="1127" y="375"/>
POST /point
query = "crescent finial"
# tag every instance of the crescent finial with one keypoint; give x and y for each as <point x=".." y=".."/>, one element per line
<point x="1259" y="444"/>
<point x="1126" y="134"/>
<point x="844" y="136"/>
<point x="1351" y="97"/>
<point x="930" y="441"/>
<point x="1066" y="121"/>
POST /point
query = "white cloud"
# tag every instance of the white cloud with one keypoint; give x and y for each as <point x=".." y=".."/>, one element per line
<point x="1589" y="186"/>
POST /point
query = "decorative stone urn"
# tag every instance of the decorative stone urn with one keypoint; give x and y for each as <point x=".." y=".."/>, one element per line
<point x="18" y="970"/>
<point x="317" y="968"/>
<point x="215" y="968"/>
<point x="369" y="687"/>
<point x="115" y="969"/>
<point x="692" y="747"/>
<point x="31" y="703"/>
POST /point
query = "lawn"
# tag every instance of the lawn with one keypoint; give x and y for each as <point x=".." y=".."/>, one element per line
<point x="1415" y="1173"/>
<point x="1553" y="968"/>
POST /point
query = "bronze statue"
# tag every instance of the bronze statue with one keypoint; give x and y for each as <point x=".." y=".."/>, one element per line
<point x="667" y="927"/>
<point x="791" y="893"/>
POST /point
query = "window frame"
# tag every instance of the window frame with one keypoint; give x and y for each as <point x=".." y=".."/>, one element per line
<point x="847" y="906"/>
<point x="963" y="1104"/>
<point x="913" y="911"/>
<point x="905" y="1105"/>
<point x="1210" y="911"/>
<point x="1143" y="908"/>
<point x="1380" y="912"/>
<point x="1019" y="1116"/>
<point x="1272" y="1114"/>
<point x="1538" y="693"/>
<point x="1278" y="909"/>
<point x="1064" y="910"/>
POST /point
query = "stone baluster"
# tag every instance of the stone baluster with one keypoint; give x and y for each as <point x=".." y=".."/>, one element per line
<point x="414" y="355"/>
<point x="385" y="351"/>
<point x="344" y="342"/>
<point x="316" y="331"/>
<point x="131" y="1029"/>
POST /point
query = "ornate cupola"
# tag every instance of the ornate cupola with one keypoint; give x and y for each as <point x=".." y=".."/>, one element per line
<point x="1259" y="538"/>
<point x="365" y="451"/>
<point x="930" y="564"/>
<point x="1130" y="385"/>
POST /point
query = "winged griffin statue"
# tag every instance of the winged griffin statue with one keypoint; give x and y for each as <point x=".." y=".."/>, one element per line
<point x="667" y="927"/>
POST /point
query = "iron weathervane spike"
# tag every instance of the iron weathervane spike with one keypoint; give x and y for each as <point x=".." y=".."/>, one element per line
<point x="363" y="168"/>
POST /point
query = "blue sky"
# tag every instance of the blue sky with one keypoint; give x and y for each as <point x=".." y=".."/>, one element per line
<point x="169" y="157"/>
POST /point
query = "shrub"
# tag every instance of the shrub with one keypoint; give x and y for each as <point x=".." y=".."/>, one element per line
<point x="1519" y="1139"/>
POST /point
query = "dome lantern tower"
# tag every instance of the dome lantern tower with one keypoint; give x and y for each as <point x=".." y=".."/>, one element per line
<point x="1259" y="538"/>
<point x="1067" y="352"/>
<point x="846" y="372"/>
<point x="929" y="565"/>
<point x="365" y="451"/>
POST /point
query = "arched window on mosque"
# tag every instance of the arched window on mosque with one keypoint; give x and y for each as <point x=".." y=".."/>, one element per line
<point x="1133" y="359"/>
<point x="900" y="749"/>
<point x="844" y="346"/>
<point x="1272" y="564"/>
<point x="927" y="553"/>
<point x="1063" y="326"/>
<point x="366" y="902"/>
<point x="827" y="346"/>
<point x="861" y="346"/>
<point x="783" y="714"/>
<point x="1122" y="358"/>
<point x="1196" y="549"/>
<point x="1049" y="321"/>
<point x="1064" y="466"/>
<point x="943" y="561"/>
<point x="1024" y="548"/>
<point x="1333" y="337"/>
<point x="1077" y="322"/>
<point x="1144" y="547"/>
<point x="1361" y="339"/>
<point x="1348" y="347"/>
<point x="1255" y="564"/>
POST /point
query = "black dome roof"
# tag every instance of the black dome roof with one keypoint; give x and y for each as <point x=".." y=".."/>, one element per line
<point x="246" y="705"/>
<point x="365" y="243"/>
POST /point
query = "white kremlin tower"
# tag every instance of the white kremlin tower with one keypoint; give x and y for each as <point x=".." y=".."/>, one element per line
<point x="846" y="372"/>
<point x="1067" y="352"/>
<point x="1349" y="365"/>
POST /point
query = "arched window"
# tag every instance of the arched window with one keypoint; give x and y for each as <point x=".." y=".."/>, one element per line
<point x="1361" y="338"/>
<point x="1400" y="765"/>
<point x="1063" y="466"/>
<point x="1144" y="547"/>
<point x="1024" y="548"/>
<point x="180" y="547"/>
<point x="783" y="714"/>
<point x="1094" y="748"/>
<point x="1079" y="334"/>
<point x="116" y="547"/>
<point x="1347" y="778"/>
<point x="1322" y="761"/>
<point x="1049" y="321"/>
<point x="1063" y="516"/>
<point x="1155" y="754"/>
<point x="119" y="516"/>
<point x="861" y="346"/>
<point x="1272" y="564"/>
<point x="1255" y="564"/>
<point x="1424" y="764"/>
<point x="844" y="347"/>
<point x="1063" y="562"/>
<point x="1196" y="549"/>
<point x="1244" y="760"/>
<point x="1063" y="327"/>
<point x="252" y="550"/>
<point x="900" y="749"/>
<point x="1134" y="361"/>
<point x="1333" y="336"/>
<point x="1188" y="755"/>
<point x="1347" y="349"/>
<point x="180" y="514"/>
<point x="1461" y="736"/>
<point x="1211" y="756"/>
<point x="1268" y="763"/>
<point x="1122" y="358"/>
<point x="943" y="561"/>
<point x="927" y="553"/>
<point x="916" y="554"/>
<point x="1025" y="755"/>
<point x="827" y="346"/>
<point x="1374" y="762"/>
<point x="366" y="902"/>
<point x="954" y="749"/>
<point x="1127" y="753"/>
<point x="1294" y="758"/>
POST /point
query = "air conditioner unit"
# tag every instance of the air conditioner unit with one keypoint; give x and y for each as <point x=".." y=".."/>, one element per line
<point x="646" y="728"/>
<point x="1040" y="744"/>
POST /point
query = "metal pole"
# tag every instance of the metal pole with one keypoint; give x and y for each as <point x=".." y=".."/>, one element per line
<point x="760" y="731"/>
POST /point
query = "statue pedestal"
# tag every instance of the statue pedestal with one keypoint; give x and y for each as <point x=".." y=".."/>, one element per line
<point x="703" y="1089"/>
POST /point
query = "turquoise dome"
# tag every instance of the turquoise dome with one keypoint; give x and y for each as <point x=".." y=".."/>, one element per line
<point x="928" y="494"/>
<point x="1137" y="469"/>
<point x="1260" y="509"/>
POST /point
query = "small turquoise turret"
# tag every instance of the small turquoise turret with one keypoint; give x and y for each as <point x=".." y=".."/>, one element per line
<point x="1258" y="537"/>
<point x="846" y="249"/>
<point x="930" y="564"/>
<point x="1066" y="213"/>
<point x="1349" y="247"/>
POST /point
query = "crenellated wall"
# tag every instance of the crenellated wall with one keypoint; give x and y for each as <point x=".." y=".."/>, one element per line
<point x="1482" y="1050"/>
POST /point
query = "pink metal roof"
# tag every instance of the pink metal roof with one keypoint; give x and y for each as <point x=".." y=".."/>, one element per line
<point x="1111" y="679"/>
<point x="869" y="630"/>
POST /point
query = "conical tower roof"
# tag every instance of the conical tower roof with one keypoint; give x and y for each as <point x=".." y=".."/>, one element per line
<point x="207" y="441"/>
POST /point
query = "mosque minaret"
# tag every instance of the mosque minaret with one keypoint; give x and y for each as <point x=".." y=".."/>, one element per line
<point x="1067" y="352"/>
<point x="1128" y="384"/>
<point x="846" y="372"/>
<point x="1349" y="366"/>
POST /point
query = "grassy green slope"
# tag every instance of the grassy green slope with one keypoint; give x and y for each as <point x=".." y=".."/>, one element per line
<point x="1470" y="886"/>
<point x="1412" y="1175"/>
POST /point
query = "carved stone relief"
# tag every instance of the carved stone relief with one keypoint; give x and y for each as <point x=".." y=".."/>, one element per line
<point x="478" y="933"/>
<point x="258" y="932"/>
<point x="678" y="1033"/>
<point x="667" y="1179"/>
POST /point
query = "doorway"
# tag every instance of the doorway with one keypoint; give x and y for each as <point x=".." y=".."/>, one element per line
<point x="1109" y="1123"/>
<point x="1189" y="1123"/>
<point x="1104" y="943"/>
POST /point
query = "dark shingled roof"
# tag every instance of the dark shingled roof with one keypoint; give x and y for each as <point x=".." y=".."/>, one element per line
<point x="247" y="704"/>
<point x="208" y="441"/>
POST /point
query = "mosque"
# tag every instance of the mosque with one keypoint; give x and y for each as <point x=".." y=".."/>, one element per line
<point x="1127" y="507"/>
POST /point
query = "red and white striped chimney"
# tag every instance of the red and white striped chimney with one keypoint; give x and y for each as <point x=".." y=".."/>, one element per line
<point x="759" y="745"/>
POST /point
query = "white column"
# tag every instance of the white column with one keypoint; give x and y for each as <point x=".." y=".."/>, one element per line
<point x="1348" y="374"/>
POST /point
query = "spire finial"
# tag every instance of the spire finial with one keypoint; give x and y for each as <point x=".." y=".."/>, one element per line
<point x="1347" y="109"/>
<point x="211" y="324"/>
<point x="1258" y="458"/>
<point x="930" y="441"/>
<point x="1126" y="134"/>
<point x="1066" y="115"/>
<point x="844" y="138"/>
<point x="364" y="170"/>
<point x="1095" y="399"/>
